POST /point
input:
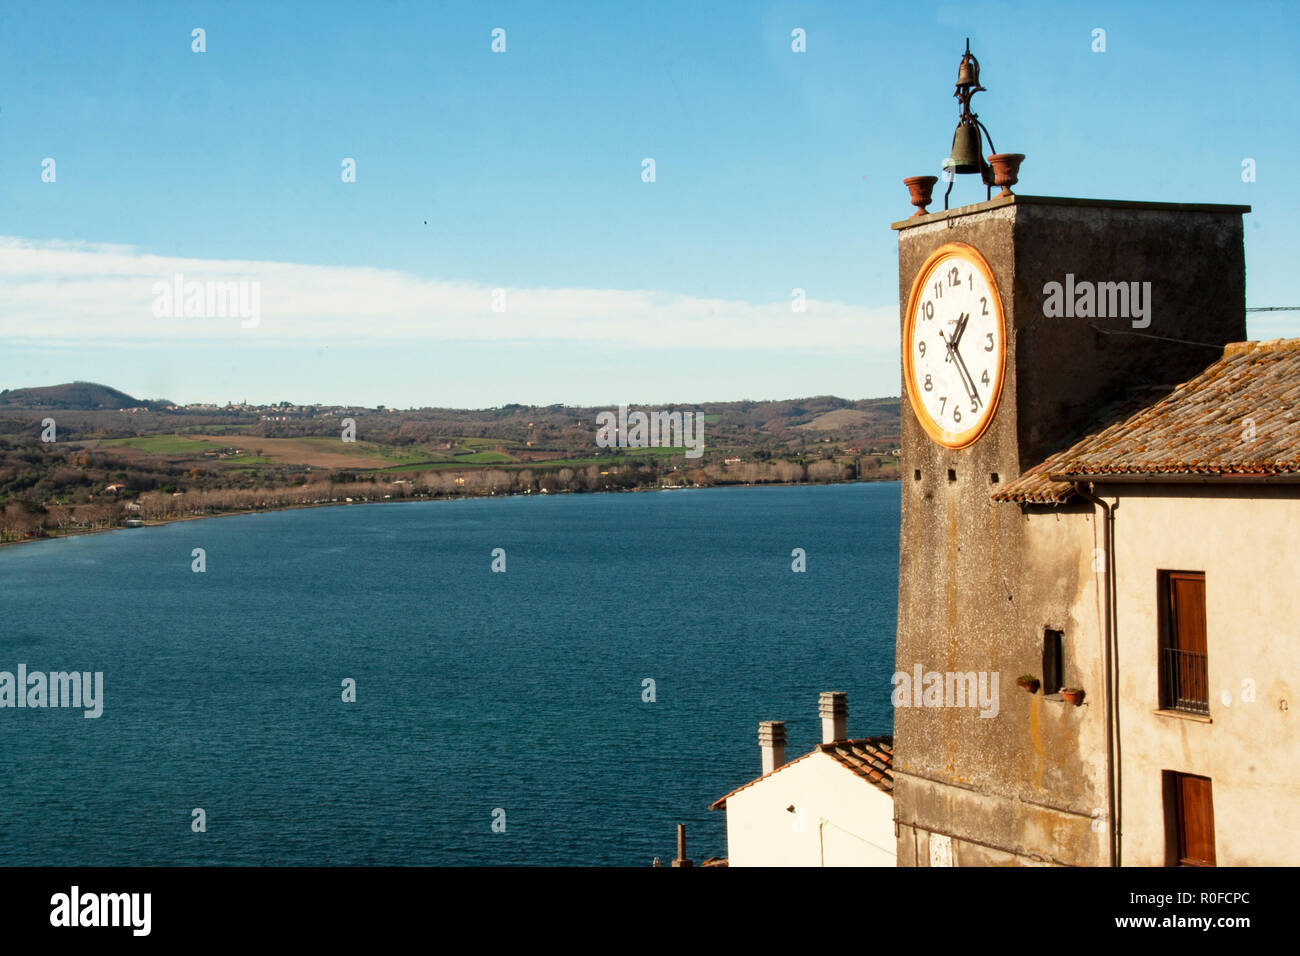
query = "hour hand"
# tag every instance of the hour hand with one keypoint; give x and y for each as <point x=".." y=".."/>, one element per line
<point x="960" y="330"/>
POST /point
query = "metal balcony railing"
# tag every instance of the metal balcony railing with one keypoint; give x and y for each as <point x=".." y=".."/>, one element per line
<point x="1185" y="682"/>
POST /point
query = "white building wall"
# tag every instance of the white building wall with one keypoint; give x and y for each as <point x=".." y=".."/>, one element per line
<point x="1247" y="541"/>
<point x="840" y="819"/>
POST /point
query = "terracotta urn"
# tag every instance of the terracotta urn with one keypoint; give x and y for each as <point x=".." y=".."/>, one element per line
<point x="921" y="188"/>
<point x="1006" y="170"/>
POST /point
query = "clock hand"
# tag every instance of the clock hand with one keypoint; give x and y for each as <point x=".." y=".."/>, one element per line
<point x="962" y="320"/>
<point x="961" y="367"/>
<point x="947" y="346"/>
<point x="967" y="382"/>
<point x="951" y="343"/>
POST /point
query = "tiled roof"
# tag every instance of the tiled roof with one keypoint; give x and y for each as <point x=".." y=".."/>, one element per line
<point x="871" y="758"/>
<point x="1200" y="429"/>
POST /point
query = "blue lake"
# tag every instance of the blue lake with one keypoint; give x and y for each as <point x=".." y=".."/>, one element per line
<point x="474" y="690"/>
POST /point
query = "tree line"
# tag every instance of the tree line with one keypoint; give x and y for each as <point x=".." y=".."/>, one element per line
<point x="187" y="496"/>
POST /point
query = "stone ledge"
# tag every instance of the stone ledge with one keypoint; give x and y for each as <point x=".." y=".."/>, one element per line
<point x="998" y="201"/>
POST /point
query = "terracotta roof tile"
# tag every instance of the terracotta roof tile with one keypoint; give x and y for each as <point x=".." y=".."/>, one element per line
<point x="871" y="758"/>
<point x="1198" y="429"/>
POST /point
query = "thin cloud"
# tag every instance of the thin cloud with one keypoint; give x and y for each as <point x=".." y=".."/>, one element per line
<point x="91" y="293"/>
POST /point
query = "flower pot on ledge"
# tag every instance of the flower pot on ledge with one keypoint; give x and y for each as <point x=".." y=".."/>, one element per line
<point x="1026" y="682"/>
<point x="1006" y="170"/>
<point x="1072" y="695"/>
<point x="921" y="189"/>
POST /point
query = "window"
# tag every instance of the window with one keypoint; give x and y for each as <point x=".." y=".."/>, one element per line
<point x="1053" y="661"/>
<point x="1184" y="682"/>
<point x="1189" y="820"/>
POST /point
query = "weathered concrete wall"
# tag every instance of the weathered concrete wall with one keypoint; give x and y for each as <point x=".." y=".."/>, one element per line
<point x="1027" y="782"/>
<point x="840" y="819"/>
<point x="1244" y="540"/>
<point x="980" y="580"/>
<point x="1195" y="262"/>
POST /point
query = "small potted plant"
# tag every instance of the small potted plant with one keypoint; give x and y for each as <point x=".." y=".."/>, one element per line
<point x="1028" y="682"/>
<point x="1073" y="695"/>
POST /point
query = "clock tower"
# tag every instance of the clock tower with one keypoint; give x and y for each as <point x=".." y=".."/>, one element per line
<point x="1026" y="322"/>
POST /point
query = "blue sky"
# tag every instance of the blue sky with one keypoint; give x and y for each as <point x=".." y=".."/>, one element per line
<point x="522" y="171"/>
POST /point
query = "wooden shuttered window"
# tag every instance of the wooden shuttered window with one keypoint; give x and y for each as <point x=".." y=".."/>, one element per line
<point x="1189" y="820"/>
<point x="1184" y="672"/>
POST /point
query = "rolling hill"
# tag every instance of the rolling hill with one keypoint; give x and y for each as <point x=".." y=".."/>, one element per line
<point x="85" y="396"/>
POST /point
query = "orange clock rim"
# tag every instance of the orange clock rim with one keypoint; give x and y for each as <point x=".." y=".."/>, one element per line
<point x="964" y="439"/>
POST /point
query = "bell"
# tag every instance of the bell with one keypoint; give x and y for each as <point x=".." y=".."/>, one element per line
<point x="965" y="156"/>
<point x="968" y="74"/>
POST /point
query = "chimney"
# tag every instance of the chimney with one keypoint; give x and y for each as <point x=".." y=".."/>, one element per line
<point x="681" y="847"/>
<point x="771" y="740"/>
<point x="833" y="705"/>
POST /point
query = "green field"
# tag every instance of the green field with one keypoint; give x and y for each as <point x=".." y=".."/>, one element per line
<point x="173" y="445"/>
<point x="218" y="430"/>
<point x="483" y="457"/>
<point x="403" y="458"/>
<point x="403" y="455"/>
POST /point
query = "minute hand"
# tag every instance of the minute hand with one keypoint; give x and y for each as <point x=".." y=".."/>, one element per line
<point x="966" y="376"/>
<point x="966" y="381"/>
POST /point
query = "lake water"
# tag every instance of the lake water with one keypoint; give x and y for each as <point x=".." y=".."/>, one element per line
<point x="474" y="690"/>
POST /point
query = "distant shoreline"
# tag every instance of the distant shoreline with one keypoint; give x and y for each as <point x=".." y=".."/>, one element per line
<point x="157" y="523"/>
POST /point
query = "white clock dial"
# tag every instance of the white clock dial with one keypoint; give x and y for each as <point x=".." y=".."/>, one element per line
<point x="954" y="337"/>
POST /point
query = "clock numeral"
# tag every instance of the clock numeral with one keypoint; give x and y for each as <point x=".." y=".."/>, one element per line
<point x="929" y="385"/>
<point x="943" y="400"/>
<point x="989" y="347"/>
<point x="956" y="413"/>
<point x="953" y="276"/>
<point x="938" y="290"/>
<point x="984" y="379"/>
<point x="927" y="309"/>
<point x="974" y="405"/>
<point x="971" y="279"/>
<point x="984" y="302"/>
<point x="921" y="346"/>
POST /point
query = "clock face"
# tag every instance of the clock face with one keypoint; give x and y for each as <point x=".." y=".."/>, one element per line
<point x="954" y="342"/>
